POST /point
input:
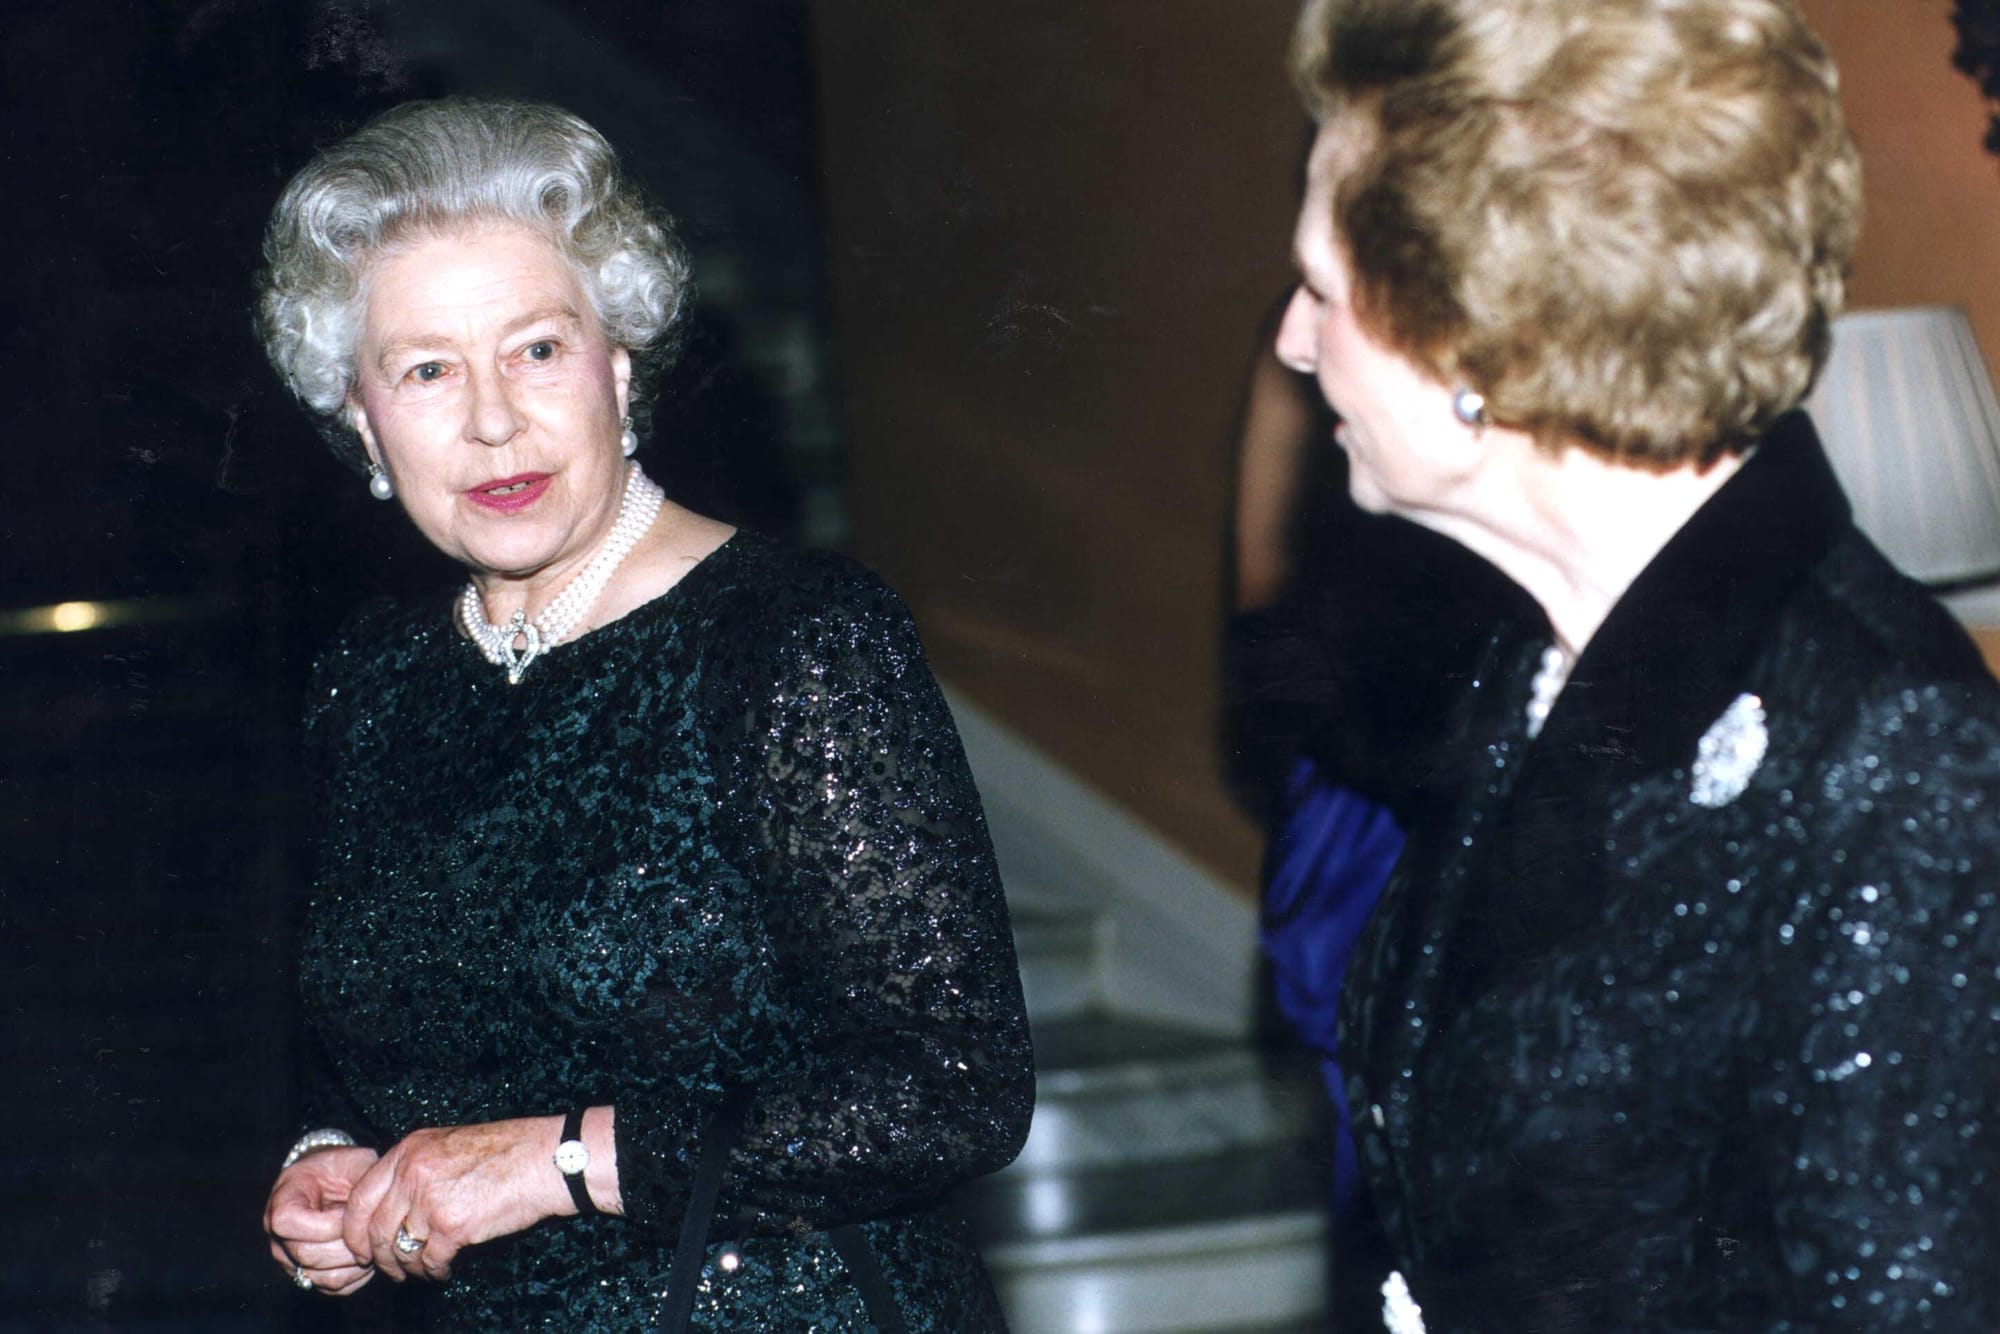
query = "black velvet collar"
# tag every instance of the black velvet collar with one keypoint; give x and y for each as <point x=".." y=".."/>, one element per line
<point x="1672" y="654"/>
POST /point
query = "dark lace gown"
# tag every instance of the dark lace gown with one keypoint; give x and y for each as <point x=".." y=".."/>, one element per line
<point x="728" y="841"/>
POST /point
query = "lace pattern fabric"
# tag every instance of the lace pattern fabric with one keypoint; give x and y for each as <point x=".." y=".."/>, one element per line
<point x="727" y="840"/>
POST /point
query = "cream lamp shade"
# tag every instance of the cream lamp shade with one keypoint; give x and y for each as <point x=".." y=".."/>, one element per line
<point x="1907" y="413"/>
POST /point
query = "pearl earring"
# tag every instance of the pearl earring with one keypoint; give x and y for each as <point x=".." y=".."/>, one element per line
<point x="379" y="485"/>
<point x="1469" y="406"/>
<point x="628" y="441"/>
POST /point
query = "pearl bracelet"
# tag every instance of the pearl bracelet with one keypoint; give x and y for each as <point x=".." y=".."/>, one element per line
<point x="317" y="1139"/>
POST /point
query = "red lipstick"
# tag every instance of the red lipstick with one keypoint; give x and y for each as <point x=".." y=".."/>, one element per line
<point x="508" y="494"/>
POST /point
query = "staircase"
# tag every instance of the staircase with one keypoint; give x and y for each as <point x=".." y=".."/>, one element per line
<point x="1174" y="1178"/>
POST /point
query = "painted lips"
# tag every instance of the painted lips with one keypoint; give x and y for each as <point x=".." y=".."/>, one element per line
<point x="510" y="493"/>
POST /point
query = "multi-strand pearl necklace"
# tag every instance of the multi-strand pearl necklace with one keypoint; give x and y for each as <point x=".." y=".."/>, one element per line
<point x="637" y="509"/>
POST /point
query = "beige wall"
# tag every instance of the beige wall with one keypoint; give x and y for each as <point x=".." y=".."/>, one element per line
<point x="1053" y="227"/>
<point x="1933" y="228"/>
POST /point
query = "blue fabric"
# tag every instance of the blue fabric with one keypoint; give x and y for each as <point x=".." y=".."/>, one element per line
<point x="1330" y="856"/>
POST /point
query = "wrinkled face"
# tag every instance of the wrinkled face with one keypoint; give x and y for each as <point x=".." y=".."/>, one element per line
<point x="1394" y="418"/>
<point x="485" y="388"/>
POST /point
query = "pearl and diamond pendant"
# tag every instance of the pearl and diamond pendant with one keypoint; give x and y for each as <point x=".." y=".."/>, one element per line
<point x="637" y="509"/>
<point x="516" y="660"/>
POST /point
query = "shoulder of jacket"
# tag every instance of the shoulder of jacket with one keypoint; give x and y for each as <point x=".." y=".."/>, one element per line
<point x="1868" y="621"/>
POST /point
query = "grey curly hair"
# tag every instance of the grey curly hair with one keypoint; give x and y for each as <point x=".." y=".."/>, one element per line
<point x="429" y="167"/>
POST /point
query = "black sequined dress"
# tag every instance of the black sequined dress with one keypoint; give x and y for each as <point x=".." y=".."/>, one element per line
<point x="1644" y="1044"/>
<point x="728" y="840"/>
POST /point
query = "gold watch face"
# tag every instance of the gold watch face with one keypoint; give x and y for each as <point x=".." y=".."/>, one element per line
<point x="571" y="1157"/>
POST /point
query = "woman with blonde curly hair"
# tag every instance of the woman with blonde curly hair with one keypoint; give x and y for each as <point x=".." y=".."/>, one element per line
<point x="1688" y="1015"/>
<point x="656" y="965"/>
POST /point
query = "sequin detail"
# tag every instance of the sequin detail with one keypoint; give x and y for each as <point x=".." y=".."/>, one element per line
<point x="727" y="839"/>
<point x="1729" y="752"/>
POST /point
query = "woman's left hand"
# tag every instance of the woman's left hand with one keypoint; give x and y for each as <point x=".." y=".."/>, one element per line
<point x="454" y="1187"/>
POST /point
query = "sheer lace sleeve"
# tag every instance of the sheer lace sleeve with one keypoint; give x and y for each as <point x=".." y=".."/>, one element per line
<point x="843" y="780"/>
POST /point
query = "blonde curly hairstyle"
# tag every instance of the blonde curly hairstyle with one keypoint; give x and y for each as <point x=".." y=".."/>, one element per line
<point x="1626" y="223"/>
<point x="429" y="167"/>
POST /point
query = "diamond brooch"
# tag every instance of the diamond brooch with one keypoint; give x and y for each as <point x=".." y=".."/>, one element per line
<point x="1729" y="753"/>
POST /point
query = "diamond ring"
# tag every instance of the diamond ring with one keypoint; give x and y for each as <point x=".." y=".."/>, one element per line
<point x="406" y="1243"/>
<point x="301" y="1279"/>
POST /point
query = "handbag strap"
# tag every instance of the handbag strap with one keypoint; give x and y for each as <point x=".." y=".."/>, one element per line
<point x="717" y="1140"/>
<point x="850" y="1243"/>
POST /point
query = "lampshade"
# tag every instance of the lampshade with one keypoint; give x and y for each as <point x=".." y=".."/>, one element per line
<point x="1907" y="413"/>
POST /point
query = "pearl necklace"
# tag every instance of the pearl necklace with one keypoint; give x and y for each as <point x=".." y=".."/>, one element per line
<point x="637" y="509"/>
<point x="1548" y="683"/>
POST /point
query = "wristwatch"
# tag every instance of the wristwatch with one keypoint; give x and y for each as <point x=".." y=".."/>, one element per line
<point x="571" y="1160"/>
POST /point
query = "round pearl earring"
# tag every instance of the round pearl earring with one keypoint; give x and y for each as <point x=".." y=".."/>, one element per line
<point x="628" y="441"/>
<point x="379" y="485"/>
<point x="1469" y="406"/>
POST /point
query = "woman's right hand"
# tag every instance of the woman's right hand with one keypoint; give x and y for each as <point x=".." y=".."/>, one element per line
<point x="306" y="1213"/>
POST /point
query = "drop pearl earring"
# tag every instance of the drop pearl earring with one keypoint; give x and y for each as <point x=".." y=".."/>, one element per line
<point x="628" y="441"/>
<point x="379" y="485"/>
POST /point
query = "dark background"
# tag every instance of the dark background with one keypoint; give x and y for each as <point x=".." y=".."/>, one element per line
<point x="148" y="786"/>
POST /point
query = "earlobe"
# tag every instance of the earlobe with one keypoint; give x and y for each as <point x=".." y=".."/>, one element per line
<point x="357" y="418"/>
<point x="621" y="378"/>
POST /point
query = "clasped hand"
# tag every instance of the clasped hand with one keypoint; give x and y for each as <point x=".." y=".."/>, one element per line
<point x="336" y="1213"/>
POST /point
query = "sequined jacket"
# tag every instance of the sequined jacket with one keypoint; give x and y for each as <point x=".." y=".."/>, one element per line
<point x="1642" y="1043"/>
<point x="727" y="841"/>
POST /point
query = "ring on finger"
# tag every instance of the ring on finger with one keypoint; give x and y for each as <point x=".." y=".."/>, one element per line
<point x="301" y="1279"/>
<point x="408" y="1244"/>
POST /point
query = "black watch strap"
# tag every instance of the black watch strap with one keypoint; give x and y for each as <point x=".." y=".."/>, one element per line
<point x="579" y="1189"/>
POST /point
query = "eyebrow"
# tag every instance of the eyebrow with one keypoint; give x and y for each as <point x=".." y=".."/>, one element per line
<point x="416" y="342"/>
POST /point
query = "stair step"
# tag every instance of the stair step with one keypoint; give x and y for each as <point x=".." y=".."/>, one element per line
<point x="1067" y="1214"/>
<point x="1059" y="952"/>
<point x="1233" y="1242"/>
<point x="1114" y="1091"/>
<point x="1173" y="1180"/>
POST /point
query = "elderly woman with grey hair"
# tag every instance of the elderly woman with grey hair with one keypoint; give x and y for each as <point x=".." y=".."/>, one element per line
<point x="1687" y="1016"/>
<point x="656" y="965"/>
